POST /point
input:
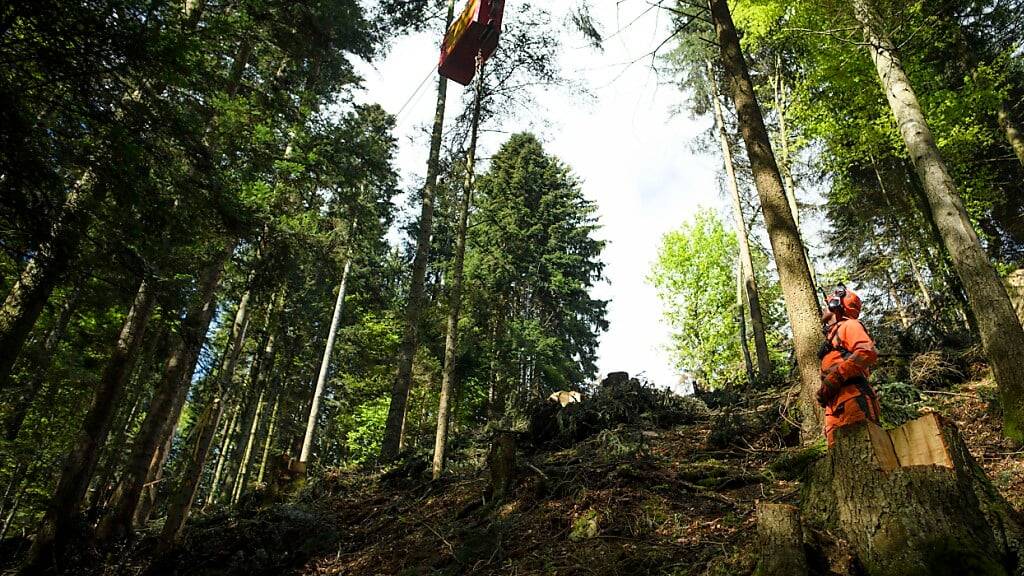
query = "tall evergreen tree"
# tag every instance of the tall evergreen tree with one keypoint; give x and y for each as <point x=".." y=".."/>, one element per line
<point x="532" y="263"/>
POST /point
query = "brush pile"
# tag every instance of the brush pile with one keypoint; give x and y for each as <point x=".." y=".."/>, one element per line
<point x="617" y="401"/>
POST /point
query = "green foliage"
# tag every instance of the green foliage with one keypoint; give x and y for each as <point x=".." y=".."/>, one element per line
<point x="368" y="430"/>
<point x="695" y="278"/>
<point x="901" y="402"/>
<point x="531" y="262"/>
<point x="819" y="92"/>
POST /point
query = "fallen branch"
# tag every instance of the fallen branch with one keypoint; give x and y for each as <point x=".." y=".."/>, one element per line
<point x="537" y="470"/>
<point x="948" y="393"/>
<point x="707" y="493"/>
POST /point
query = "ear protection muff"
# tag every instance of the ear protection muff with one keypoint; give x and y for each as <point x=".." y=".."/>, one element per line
<point x="835" y="301"/>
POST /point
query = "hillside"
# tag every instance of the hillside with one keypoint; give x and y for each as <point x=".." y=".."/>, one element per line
<point x="635" y="498"/>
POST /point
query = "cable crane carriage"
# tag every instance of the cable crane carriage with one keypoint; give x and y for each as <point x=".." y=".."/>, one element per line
<point x="475" y="32"/>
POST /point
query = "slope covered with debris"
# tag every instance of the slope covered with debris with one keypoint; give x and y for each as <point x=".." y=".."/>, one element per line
<point x="629" y="481"/>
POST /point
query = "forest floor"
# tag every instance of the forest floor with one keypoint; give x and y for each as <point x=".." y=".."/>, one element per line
<point x="631" y="499"/>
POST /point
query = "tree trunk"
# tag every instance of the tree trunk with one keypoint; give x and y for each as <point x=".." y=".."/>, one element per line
<point x="785" y="159"/>
<point x="168" y="400"/>
<point x="894" y="295"/>
<point x="269" y="440"/>
<point x="501" y="464"/>
<point x="180" y="502"/>
<point x="781" y="541"/>
<point x="233" y="462"/>
<point x="794" y="275"/>
<point x="13" y="487"/>
<point x="27" y="297"/>
<point x="741" y="321"/>
<point x="1000" y="331"/>
<point x="497" y="399"/>
<point x="41" y="368"/>
<point x="764" y="365"/>
<point x="227" y="436"/>
<point x="912" y="501"/>
<point x="58" y="524"/>
<point x="455" y="299"/>
<point x="1014" y="135"/>
<point x="395" y="424"/>
<point x="779" y="91"/>
<point x="258" y="379"/>
<point x="151" y="489"/>
<point x="243" y="465"/>
<point x="10" y="514"/>
<point x="225" y="379"/>
<point x="905" y="252"/>
<point x="104" y="482"/>
<point x="325" y="363"/>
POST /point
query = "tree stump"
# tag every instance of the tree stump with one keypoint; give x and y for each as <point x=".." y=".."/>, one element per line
<point x="501" y="462"/>
<point x="781" y="539"/>
<point x="615" y="379"/>
<point x="912" y="501"/>
<point x="285" y="477"/>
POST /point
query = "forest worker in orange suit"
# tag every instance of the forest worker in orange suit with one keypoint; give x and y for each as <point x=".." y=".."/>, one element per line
<point x="847" y="357"/>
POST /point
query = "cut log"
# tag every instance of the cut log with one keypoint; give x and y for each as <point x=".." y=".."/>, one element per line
<point x="781" y="540"/>
<point x="912" y="501"/>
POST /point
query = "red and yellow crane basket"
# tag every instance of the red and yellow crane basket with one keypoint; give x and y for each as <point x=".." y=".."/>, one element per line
<point x="474" y="32"/>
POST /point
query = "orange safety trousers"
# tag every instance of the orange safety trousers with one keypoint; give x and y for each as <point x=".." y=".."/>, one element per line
<point x="856" y="402"/>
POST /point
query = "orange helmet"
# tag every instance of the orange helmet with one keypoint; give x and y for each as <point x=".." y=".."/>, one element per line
<point x="845" y="302"/>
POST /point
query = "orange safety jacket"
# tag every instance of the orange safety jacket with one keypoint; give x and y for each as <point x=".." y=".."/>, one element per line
<point x="851" y="353"/>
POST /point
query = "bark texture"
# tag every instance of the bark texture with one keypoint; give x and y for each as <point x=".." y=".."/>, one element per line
<point x="787" y="248"/>
<point x="914" y="518"/>
<point x="781" y="539"/>
<point x="1000" y="331"/>
<point x="227" y="437"/>
<point x="243" y="465"/>
<point x="262" y="368"/>
<point x="741" y="319"/>
<point x="269" y="440"/>
<point x="1015" y="287"/>
<point x="394" y="426"/>
<point x="501" y="464"/>
<point x="1014" y="135"/>
<point x="180" y="502"/>
<point x="41" y="365"/>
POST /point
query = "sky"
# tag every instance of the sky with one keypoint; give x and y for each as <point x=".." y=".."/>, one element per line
<point x="635" y="158"/>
